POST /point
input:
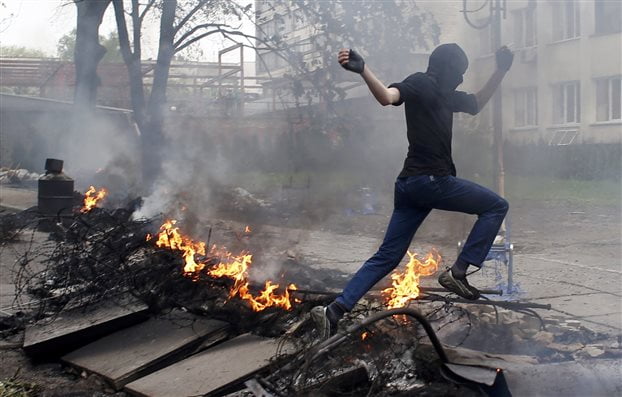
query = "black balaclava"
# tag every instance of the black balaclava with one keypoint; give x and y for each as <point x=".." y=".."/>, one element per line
<point x="447" y="64"/>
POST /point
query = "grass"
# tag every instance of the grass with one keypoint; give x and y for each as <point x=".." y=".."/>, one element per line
<point x="543" y="188"/>
<point x="332" y="181"/>
<point x="603" y="192"/>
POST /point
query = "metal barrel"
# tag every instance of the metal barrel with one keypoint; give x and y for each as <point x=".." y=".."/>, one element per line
<point x="55" y="193"/>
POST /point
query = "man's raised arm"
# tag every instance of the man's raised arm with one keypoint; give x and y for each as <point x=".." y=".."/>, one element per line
<point x="353" y="62"/>
<point x="504" y="58"/>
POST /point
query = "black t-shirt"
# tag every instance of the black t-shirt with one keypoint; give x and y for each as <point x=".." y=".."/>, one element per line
<point x="429" y="119"/>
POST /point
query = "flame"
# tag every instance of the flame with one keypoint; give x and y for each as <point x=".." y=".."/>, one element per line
<point x="364" y="335"/>
<point x="91" y="200"/>
<point x="170" y="237"/>
<point x="406" y="285"/>
<point x="247" y="229"/>
<point x="234" y="267"/>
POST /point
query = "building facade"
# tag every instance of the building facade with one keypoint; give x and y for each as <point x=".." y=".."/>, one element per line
<point x="565" y="85"/>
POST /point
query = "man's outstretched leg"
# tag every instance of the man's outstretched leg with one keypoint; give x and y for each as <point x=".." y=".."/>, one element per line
<point x="465" y="196"/>
<point x="404" y="222"/>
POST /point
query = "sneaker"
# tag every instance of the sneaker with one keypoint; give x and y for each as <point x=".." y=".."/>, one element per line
<point x="459" y="286"/>
<point x="325" y="325"/>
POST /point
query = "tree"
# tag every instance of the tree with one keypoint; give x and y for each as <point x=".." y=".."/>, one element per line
<point x="182" y="23"/>
<point x="65" y="49"/>
<point x="387" y="33"/>
<point x="12" y="51"/>
<point x="88" y="51"/>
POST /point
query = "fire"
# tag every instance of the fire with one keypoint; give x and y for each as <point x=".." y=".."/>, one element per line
<point x="364" y="335"/>
<point x="92" y="197"/>
<point x="234" y="267"/>
<point x="170" y="237"/>
<point x="247" y="229"/>
<point x="406" y="285"/>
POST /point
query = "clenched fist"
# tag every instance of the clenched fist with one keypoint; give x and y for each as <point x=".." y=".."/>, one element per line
<point x="351" y="60"/>
<point x="504" y="58"/>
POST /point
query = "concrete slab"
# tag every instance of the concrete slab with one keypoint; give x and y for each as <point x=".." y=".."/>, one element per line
<point x="331" y="250"/>
<point x="584" y="305"/>
<point x="209" y="371"/>
<point x="594" y="378"/>
<point x="80" y="326"/>
<point x="16" y="198"/>
<point x="610" y="318"/>
<point x="137" y="351"/>
<point x="7" y="297"/>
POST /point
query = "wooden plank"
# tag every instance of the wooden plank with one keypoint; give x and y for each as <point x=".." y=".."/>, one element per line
<point x="214" y="369"/>
<point x="137" y="351"/>
<point x="77" y="327"/>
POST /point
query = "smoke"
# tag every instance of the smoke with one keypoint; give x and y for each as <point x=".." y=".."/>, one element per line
<point x="86" y="143"/>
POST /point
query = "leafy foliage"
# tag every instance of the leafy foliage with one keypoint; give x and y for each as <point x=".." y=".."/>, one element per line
<point x="12" y="51"/>
<point x="67" y="44"/>
<point x="387" y="34"/>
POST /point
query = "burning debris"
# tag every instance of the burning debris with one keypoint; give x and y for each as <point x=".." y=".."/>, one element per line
<point x="233" y="267"/>
<point x="92" y="197"/>
<point x="405" y="286"/>
<point x="105" y="255"/>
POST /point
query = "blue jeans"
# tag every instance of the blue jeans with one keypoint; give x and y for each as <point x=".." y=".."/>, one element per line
<point x="415" y="197"/>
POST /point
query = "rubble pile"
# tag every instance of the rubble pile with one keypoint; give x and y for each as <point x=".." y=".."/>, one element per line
<point x="18" y="176"/>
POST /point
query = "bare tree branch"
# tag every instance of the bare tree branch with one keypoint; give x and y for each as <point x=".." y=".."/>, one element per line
<point x="189" y="15"/>
<point x="137" y="21"/>
<point x="224" y="32"/>
<point x="124" y="40"/>
<point x="147" y="7"/>
<point x="195" y="29"/>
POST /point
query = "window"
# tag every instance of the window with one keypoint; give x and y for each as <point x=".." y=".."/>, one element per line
<point x="525" y="27"/>
<point x="609" y="99"/>
<point x="567" y="103"/>
<point x="526" y="107"/>
<point x="566" y="20"/>
<point x="608" y="16"/>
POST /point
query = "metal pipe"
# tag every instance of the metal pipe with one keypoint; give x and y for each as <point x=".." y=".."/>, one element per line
<point x="335" y="340"/>
<point x="421" y="289"/>
<point x="503" y="304"/>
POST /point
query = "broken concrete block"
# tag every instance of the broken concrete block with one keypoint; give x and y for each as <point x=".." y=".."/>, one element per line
<point x="572" y="323"/>
<point x="594" y="350"/>
<point x="568" y="348"/>
<point x="134" y="352"/>
<point x="544" y="337"/>
<point x="210" y="372"/>
<point x="77" y="327"/>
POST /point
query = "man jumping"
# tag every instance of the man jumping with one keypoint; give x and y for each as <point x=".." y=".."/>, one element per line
<point x="428" y="179"/>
